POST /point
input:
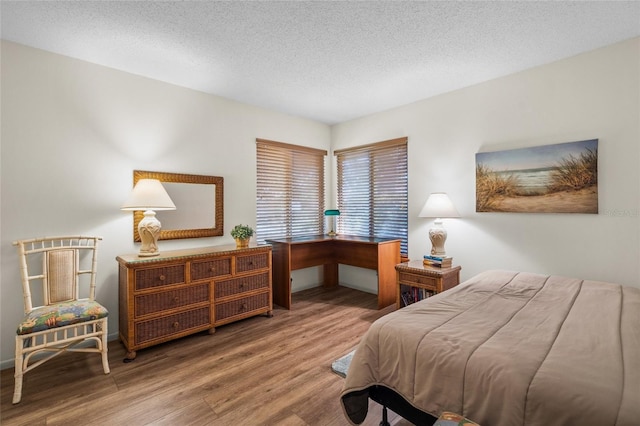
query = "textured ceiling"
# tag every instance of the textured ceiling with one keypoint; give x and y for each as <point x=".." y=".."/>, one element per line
<point x="327" y="61"/>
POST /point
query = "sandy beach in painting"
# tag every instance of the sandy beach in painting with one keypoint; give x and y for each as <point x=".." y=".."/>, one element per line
<point x="581" y="201"/>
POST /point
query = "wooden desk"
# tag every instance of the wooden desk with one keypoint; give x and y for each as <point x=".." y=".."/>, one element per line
<point x="381" y="254"/>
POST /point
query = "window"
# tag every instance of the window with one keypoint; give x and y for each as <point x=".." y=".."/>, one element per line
<point x="290" y="190"/>
<point x="373" y="191"/>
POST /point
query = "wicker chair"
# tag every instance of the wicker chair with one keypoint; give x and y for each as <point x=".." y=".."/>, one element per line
<point x="64" y="320"/>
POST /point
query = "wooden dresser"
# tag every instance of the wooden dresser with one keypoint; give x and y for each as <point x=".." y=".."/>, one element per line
<point x="182" y="292"/>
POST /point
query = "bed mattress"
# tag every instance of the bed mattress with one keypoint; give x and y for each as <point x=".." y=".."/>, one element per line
<point x="509" y="348"/>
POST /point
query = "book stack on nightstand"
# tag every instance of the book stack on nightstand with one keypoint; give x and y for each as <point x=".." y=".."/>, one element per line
<point x="416" y="281"/>
<point x="438" y="261"/>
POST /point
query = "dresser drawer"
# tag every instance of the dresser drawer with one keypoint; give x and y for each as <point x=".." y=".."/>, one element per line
<point x="252" y="262"/>
<point x="405" y="277"/>
<point x="240" y="285"/>
<point x="157" y="277"/>
<point x="161" y="328"/>
<point x="165" y="300"/>
<point x="241" y="306"/>
<point x="210" y="268"/>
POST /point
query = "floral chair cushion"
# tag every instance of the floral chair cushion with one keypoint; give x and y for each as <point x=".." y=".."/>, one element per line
<point x="60" y="315"/>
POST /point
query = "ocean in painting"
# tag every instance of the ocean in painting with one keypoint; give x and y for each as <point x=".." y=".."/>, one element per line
<point x="530" y="181"/>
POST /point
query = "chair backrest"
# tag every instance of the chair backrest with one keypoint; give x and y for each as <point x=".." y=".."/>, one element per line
<point x="58" y="263"/>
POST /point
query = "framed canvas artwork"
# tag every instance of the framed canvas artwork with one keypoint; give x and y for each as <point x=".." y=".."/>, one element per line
<point x="559" y="178"/>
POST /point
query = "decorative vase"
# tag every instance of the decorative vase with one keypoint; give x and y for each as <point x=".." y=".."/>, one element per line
<point x="242" y="242"/>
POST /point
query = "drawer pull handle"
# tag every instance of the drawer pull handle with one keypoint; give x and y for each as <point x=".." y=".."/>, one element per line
<point x="162" y="277"/>
<point x="251" y="263"/>
<point x="241" y="285"/>
<point x="176" y="324"/>
<point x="175" y="299"/>
<point x="243" y="306"/>
<point x="213" y="269"/>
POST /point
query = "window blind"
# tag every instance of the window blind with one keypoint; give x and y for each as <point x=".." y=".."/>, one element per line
<point x="290" y="190"/>
<point x="373" y="191"/>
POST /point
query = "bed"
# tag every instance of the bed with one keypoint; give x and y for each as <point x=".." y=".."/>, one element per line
<point x="506" y="348"/>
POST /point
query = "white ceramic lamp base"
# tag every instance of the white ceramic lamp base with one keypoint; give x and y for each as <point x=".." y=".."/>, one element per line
<point x="437" y="235"/>
<point x="149" y="230"/>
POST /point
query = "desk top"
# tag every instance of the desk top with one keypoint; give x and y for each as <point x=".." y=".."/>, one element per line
<point x="319" y="238"/>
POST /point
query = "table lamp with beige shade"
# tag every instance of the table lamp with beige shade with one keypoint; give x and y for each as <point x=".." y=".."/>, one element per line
<point x="439" y="206"/>
<point x="149" y="195"/>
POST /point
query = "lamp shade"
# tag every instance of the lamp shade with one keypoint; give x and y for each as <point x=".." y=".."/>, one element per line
<point x="439" y="205"/>
<point x="148" y="194"/>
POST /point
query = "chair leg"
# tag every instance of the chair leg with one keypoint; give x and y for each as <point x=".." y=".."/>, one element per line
<point x="17" y="390"/>
<point x="105" y="349"/>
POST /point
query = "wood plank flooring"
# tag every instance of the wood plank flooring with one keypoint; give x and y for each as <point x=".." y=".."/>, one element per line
<point x="259" y="371"/>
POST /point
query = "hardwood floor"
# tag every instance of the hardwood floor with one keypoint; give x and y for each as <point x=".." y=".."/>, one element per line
<point x="259" y="371"/>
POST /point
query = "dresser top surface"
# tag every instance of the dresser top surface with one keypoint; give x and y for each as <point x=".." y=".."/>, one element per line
<point x="191" y="253"/>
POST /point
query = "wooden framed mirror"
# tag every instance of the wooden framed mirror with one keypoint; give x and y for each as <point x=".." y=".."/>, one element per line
<point x="199" y="204"/>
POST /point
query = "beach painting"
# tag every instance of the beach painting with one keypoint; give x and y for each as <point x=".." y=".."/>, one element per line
<point x="559" y="178"/>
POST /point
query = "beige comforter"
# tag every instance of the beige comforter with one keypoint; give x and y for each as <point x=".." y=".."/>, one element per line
<point x="507" y="348"/>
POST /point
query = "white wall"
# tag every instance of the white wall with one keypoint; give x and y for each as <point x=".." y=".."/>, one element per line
<point x="72" y="134"/>
<point x="593" y="95"/>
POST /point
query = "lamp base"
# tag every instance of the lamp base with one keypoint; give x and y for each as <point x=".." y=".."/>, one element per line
<point x="149" y="231"/>
<point x="437" y="235"/>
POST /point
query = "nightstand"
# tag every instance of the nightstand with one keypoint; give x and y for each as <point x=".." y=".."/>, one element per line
<point x="416" y="281"/>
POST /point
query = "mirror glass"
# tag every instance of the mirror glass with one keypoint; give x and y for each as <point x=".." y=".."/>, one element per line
<point x="199" y="205"/>
<point x="189" y="214"/>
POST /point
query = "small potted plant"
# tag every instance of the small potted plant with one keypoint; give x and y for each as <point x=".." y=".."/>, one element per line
<point x="242" y="234"/>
